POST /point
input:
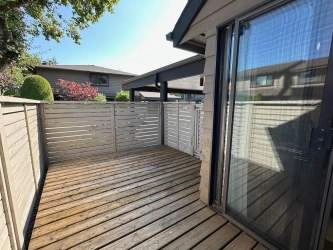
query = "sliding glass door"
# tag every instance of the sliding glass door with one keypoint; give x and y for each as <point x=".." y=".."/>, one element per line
<point x="273" y="148"/>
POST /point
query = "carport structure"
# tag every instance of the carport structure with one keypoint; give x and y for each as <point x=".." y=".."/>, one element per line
<point x="158" y="80"/>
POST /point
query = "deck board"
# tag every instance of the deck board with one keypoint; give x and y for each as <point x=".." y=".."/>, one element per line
<point x="143" y="199"/>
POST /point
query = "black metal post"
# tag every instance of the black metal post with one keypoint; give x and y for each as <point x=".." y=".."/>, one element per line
<point x="132" y="95"/>
<point x="164" y="92"/>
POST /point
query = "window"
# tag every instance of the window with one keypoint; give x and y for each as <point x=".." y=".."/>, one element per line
<point x="264" y="81"/>
<point x="99" y="79"/>
<point x="309" y="77"/>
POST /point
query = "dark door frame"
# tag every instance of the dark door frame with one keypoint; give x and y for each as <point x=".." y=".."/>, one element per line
<point x="221" y="149"/>
<point x="327" y="121"/>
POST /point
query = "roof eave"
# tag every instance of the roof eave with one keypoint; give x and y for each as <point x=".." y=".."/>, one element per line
<point x="189" y="13"/>
<point x="81" y="70"/>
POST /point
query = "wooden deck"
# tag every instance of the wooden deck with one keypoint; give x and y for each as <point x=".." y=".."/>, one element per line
<point x="146" y="199"/>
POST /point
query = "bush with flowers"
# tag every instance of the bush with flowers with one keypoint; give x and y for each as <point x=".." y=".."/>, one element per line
<point x="75" y="91"/>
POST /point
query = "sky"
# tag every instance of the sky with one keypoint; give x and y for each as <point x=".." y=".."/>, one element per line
<point x="131" y="39"/>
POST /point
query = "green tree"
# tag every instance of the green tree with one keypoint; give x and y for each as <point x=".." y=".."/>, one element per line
<point x="21" y="18"/>
<point x="6" y="83"/>
<point x="24" y="67"/>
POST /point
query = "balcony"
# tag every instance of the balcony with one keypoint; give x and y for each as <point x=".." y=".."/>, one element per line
<point x="112" y="176"/>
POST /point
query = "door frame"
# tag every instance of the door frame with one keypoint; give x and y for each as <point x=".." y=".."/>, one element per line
<point x="220" y="163"/>
<point x="327" y="200"/>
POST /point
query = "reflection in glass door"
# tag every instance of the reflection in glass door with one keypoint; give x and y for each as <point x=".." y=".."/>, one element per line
<point x="273" y="184"/>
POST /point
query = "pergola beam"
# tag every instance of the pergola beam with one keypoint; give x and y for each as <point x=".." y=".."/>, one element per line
<point x="171" y="90"/>
<point x="182" y="69"/>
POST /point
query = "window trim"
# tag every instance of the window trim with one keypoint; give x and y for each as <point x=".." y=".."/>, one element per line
<point x="255" y="84"/>
<point x="91" y="74"/>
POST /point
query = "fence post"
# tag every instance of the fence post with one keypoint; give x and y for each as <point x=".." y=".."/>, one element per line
<point x="42" y="132"/>
<point x="32" y="156"/>
<point x="162" y="122"/>
<point x="195" y="130"/>
<point x="178" y="125"/>
<point x="5" y="189"/>
<point x="114" y="128"/>
<point x="192" y="106"/>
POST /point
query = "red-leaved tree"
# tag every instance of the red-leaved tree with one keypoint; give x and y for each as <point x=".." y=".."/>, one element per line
<point x="75" y="91"/>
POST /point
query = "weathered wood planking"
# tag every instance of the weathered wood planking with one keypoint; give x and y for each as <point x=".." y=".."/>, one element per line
<point x="78" y="129"/>
<point x="20" y="169"/>
<point x="183" y="127"/>
<point x="144" y="199"/>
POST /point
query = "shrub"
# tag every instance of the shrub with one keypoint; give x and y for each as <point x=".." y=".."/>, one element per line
<point x="11" y="92"/>
<point x="258" y="97"/>
<point x="75" y="91"/>
<point x="36" y="87"/>
<point x="101" y="98"/>
<point x="122" y="96"/>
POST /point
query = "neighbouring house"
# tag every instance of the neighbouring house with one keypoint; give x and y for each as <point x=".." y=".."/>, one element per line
<point x="108" y="81"/>
<point x="284" y="81"/>
<point x="268" y="109"/>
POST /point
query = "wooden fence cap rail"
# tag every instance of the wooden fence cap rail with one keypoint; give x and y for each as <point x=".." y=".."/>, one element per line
<point x="9" y="99"/>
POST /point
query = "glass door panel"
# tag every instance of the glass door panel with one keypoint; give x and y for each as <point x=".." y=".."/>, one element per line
<point x="281" y="71"/>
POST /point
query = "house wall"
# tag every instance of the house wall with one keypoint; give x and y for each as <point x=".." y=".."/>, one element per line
<point x="52" y="76"/>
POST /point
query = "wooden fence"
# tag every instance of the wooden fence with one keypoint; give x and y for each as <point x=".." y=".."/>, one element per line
<point x="264" y="128"/>
<point x="21" y="168"/>
<point x="33" y="134"/>
<point x="74" y="130"/>
<point x="183" y="126"/>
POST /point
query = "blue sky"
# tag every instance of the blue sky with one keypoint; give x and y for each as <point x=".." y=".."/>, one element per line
<point x="130" y="39"/>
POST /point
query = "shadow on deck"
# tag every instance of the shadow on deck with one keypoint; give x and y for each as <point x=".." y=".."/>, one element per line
<point x="145" y="199"/>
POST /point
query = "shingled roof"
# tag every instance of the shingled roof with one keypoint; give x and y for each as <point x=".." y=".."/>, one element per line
<point x="86" y="68"/>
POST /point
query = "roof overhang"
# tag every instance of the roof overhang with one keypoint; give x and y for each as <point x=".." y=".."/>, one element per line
<point x="186" y="68"/>
<point x="189" y="13"/>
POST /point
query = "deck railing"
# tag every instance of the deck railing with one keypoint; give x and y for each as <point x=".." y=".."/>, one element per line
<point x="34" y="134"/>
<point x="74" y="130"/>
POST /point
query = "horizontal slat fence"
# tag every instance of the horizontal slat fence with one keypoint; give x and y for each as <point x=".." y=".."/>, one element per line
<point x="21" y="168"/>
<point x="182" y="126"/>
<point x="74" y="130"/>
<point x="263" y="128"/>
<point x="137" y="125"/>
